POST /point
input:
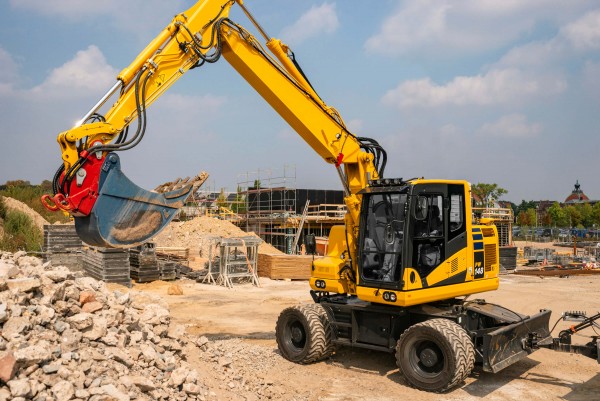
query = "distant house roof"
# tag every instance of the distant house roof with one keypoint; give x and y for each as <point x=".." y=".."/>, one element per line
<point x="577" y="196"/>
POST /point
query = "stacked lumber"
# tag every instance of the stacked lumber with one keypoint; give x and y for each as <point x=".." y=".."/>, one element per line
<point x="282" y="266"/>
<point x="173" y="253"/>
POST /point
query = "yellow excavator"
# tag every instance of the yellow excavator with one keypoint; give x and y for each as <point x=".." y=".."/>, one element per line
<point x="398" y="273"/>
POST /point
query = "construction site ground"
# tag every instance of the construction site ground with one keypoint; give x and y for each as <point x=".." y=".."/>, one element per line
<point x="247" y="314"/>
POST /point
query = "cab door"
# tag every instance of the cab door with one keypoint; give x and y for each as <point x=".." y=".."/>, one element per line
<point x="437" y="235"/>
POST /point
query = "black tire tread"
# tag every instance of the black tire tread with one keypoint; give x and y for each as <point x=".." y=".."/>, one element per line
<point x="319" y="345"/>
<point x="462" y="348"/>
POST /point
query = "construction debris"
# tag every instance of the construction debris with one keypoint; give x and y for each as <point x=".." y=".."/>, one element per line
<point x="64" y="336"/>
<point x="179" y="183"/>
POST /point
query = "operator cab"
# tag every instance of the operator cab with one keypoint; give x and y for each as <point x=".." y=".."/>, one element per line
<point x="410" y="227"/>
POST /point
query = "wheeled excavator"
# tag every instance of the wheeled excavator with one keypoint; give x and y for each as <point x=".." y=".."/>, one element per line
<point x="398" y="274"/>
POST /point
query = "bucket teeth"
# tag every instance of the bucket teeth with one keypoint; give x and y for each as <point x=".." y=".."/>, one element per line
<point x="178" y="183"/>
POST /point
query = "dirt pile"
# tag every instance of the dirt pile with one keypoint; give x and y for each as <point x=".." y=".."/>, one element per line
<point x="198" y="233"/>
<point x="13" y="204"/>
<point x="64" y="336"/>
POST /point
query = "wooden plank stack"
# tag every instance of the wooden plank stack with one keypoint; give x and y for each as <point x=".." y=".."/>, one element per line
<point x="178" y="254"/>
<point x="107" y="264"/>
<point x="62" y="246"/>
<point x="282" y="266"/>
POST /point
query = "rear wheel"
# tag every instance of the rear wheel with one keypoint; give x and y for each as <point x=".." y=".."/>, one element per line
<point x="303" y="334"/>
<point x="435" y="355"/>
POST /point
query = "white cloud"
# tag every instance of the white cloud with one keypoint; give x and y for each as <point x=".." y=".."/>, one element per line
<point x="317" y="20"/>
<point x="10" y="72"/>
<point x="494" y="87"/>
<point x="355" y="125"/>
<point x="88" y="72"/>
<point x="511" y="126"/>
<point x="178" y="115"/>
<point x="67" y="8"/>
<point x="148" y="15"/>
<point x="437" y="27"/>
<point x="585" y="32"/>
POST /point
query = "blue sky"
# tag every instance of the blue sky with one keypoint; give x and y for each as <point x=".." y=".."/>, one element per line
<point x="504" y="92"/>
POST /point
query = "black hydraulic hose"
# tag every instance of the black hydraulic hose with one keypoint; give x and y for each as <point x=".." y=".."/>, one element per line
<point x="56" y="178"/>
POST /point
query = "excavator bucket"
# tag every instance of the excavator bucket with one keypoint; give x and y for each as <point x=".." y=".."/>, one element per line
<point x="126" y="215"/>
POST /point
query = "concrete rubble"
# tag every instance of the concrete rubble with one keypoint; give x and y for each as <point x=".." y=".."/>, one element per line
<point x="64" y="336"/>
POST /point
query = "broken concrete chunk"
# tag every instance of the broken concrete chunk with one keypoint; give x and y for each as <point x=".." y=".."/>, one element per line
<point x="33" y="354"/>
<point x="81" y="321"/>
<point x="91" y="307"/>
<point x="20" y="388"/>
<point x="8" y="270"/>
<point x="63" y="390"/>
<point x="24" y="284"/>
<point x="15" y="326"/>
<point x="8" y="367"/>
<point x="87" y="296"/>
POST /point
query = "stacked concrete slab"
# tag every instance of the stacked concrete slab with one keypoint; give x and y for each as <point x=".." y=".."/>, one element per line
<point x="143" y="263"/>
<point x="62" y="246"/>
<point x="107" y="264"/>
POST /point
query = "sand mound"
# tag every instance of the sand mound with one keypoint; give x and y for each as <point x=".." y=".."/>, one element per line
<point x="14" y="204"/>
<point x="197" y="234"/>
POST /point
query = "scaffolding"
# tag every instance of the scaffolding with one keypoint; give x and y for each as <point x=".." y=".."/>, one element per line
<point x="502" y="219"/>
<point x="270" y="205"/>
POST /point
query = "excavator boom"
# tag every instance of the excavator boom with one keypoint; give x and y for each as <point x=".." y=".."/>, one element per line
<point x="112" y="211"/>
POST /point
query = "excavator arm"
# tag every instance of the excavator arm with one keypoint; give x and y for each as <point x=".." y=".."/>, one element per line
<point x="110" y="210"/>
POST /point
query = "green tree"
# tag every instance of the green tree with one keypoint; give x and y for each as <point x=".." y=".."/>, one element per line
<point x="524" y="219"/>
<point x="487" y="194"/>
<point x="574" y="215"/>
<point x="558" y="215"/>
<point x="596" y="214"/>
<point x="586" y="214"/>
<point x="239" y="206"/>
<point x="532" y="217"/>
<point x="222" y="199"/>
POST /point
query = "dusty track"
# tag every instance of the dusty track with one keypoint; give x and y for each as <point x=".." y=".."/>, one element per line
<point x="247" y="314"/>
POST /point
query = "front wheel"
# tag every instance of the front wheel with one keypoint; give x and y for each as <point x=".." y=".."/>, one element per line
<point x="303" y="334"/>
<point x="435" y="355"/>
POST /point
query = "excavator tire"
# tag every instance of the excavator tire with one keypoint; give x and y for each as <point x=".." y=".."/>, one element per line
<point x="435" y="355"/>
<point x="303" y="334"/>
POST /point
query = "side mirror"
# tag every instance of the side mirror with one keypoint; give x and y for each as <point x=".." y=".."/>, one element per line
<point x="422" y="208"/>
<point x="311" y="244"/>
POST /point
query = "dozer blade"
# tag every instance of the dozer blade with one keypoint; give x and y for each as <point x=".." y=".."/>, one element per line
<point x="124" y="214"/>
<point x="509" y="344"/>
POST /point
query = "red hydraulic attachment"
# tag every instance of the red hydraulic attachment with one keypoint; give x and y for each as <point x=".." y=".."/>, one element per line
<point x="82" y="190"/>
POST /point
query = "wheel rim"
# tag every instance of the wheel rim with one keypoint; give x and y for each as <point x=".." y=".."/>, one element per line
<point x="296" y="335"/>
<point x="427" y="359"/>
